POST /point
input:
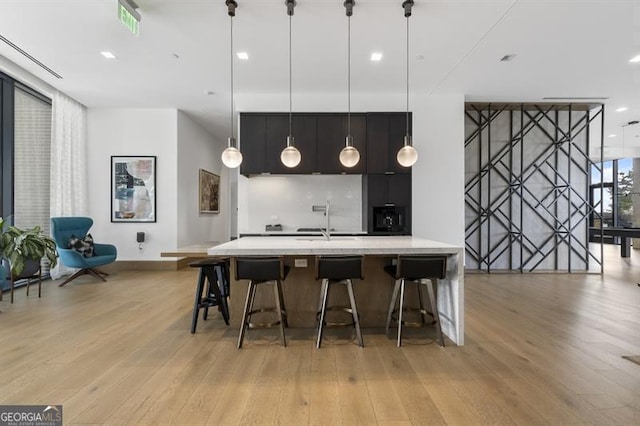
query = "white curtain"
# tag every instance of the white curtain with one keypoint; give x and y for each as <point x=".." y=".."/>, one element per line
<point x="69" y="194"/>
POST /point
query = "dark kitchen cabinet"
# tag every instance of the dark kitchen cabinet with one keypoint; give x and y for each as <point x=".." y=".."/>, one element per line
<point x="331" y="132"/>
<point x="385" y="136"/>
<point x="253" y="143"/>
<point x="263" y="136"/>
<point x="389" y="190"/>
<point x="304" y="133"/>
<point x="319" y="138"/>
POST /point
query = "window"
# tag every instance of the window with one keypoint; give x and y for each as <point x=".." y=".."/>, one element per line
<point x="25" y="142"/>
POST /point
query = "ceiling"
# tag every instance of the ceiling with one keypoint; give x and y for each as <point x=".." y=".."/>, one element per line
<point x="564" y="48"/>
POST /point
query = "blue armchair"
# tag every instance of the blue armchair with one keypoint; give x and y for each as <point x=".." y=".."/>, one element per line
<point x="62" y="228"/>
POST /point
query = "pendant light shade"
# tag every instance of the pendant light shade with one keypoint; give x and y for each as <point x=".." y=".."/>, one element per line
<point x="290" y="156"/>
<point x="231" y="157"/>
<point x="349" y="156"/>
<point x="407" y="155"/>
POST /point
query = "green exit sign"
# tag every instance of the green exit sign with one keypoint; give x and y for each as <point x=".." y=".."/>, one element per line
<point x="129" y="17"/>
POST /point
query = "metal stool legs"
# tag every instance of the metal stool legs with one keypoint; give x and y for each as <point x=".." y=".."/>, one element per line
<point x="324" y="295"/>
<point x="248" y="311"/>
<point x="400" y="288"/>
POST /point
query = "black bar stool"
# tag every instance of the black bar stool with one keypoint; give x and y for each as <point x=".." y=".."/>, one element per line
<point x="338" y="270"/>
<point x="215" y="272"/>
<point x="422" y="270"/>
<point x="262" y="270"/>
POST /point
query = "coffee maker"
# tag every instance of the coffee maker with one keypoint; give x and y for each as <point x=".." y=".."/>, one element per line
<point x="390" y="219"/>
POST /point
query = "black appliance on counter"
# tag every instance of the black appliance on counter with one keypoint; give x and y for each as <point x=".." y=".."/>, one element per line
<point x="390" y="219"/>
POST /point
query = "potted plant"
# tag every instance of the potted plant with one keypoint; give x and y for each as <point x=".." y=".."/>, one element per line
<point x="24" y="249"/>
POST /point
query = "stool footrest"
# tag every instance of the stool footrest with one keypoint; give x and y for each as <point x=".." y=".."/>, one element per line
<point x="344" y="309"/>
<point x="416" y="324"/>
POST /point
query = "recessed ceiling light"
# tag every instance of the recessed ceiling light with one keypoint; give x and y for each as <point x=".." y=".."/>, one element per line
<point x="376" y="56"/>
<point x="635" y="59"/>
<point x="622" y="109"/>
<point x="108" y="54"/>
<point x="507" y="58"/>
<point x="612" y="135"/>
<point x="243" y="55"/>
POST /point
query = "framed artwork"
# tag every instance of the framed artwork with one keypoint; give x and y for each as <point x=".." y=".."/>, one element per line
<point x="209" y="192"/>
<point x="133" y="189"/>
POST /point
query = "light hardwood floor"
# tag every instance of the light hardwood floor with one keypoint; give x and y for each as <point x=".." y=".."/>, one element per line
<point x="540" y="349"/>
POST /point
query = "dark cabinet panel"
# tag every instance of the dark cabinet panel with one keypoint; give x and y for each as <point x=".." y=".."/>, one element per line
<point x="399" y="189"/>
<point x="359" y="134"/>
<point x="397" y="132"/>
<point x="385" y="136"/>
<point x="377" y="143"/>
<point x="277" y="130"/>
<point x="392" y="190"/>
<point x="332" y="131"/>
<point x="253" y="143"/>
<point x="304" y="132"/>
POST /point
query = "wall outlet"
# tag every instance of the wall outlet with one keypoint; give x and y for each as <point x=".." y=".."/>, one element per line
<point x="300" y="263"/>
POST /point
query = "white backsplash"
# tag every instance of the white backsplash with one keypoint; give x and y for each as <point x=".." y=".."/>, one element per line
<point x="287" y="200"/>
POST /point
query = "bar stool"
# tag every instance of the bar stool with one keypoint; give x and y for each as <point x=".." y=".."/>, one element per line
<point x="422" y="270"/>
<point x="338" y="270"/>
<point x="262" y="270"/>
<point x="215" y="272"/>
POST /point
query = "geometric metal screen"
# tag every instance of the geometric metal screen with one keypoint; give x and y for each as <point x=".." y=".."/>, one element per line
<point x="527" y="183"/>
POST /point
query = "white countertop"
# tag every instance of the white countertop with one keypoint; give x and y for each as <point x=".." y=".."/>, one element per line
<point x="311" y="245"/>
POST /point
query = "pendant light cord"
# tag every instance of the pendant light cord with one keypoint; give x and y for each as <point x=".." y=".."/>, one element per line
<point x="349" y="76"/>
<point x="231" y="61"/>
<point x="290" y="74"/>
<point x="407" y="129"/>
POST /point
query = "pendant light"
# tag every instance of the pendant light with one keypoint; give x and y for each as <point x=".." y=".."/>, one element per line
<point x="231" y="157"/>
<point x="407" y="155"/>
<point x="349" y="156"/>
<point x="290" y="156"/>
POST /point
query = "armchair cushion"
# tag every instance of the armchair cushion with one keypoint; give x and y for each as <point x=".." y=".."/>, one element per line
<point x="84" y="246"/>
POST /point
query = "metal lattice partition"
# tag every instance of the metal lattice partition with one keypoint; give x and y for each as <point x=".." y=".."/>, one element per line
<point x="528" y="173"/>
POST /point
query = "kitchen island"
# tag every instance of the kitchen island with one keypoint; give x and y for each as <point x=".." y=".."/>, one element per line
<point x="373" y="294"/>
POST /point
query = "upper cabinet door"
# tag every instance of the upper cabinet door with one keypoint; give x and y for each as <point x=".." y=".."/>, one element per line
<point x="277" y="132"/>
<point x="304" y="133"/>
<point x="377" y="143"/>
<point x="397" y="132"/>
<point x="385" y="136"/>
<point x="253" y="143"/>
<point x="332" y="133"/>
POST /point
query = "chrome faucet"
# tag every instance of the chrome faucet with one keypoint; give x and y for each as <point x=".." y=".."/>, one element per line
<point x="326" y="209"/>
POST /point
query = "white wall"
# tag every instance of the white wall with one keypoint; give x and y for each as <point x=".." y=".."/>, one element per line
<point x="133" y="132"/>
<point x="287" y="200"/>
<point x="198" y="150"/>
<point x="438" y="134"/>
<point x="438" y="176"/>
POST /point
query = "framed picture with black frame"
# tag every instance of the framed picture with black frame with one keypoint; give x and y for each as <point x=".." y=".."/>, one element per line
<point x="133" y="188"/>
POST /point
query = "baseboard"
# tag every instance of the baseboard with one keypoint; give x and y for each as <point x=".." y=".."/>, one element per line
<point x="143" y="265"/>
<point x="147" y="265"/>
